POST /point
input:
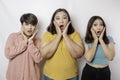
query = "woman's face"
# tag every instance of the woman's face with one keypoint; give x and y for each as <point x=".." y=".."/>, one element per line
<point x="98" y="27"/>
<point x="61" y="18"/>
<point x="28" y="29"/>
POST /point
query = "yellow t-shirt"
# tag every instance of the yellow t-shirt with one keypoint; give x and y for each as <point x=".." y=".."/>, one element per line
<point x="62" y="65"/>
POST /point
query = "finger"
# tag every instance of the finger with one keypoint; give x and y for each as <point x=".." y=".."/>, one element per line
<point x="92" y="30"/>
<point x="68" y="24"/>
<point x="57" y="27"/>
<point x="104" y="30"/>
<point x="55" y="23"/>
<point x="36" y="31"/>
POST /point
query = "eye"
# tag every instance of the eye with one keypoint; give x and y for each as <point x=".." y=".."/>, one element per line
<point x="94" y="24"/>
<point x="57" y="18"/>
<point x="65" y="17"/>
<point x="101" y="24"/>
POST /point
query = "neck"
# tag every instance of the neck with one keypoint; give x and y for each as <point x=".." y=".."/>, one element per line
<point x="27" y="35"/>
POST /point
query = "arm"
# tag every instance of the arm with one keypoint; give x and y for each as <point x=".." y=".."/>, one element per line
<point x="34" y="50"/>
<point x="76" y="49"/>
<point x="108" y="50"/>
<point x="14" y="47"/>
<point x="90" y="52"/>
<point x="48" y="49"/>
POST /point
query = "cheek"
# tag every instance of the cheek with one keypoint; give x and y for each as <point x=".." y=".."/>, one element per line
<point x="24" y="29"/>
<point x="33" y="29"/>
<point x="56" y="20"/>
<point x="102" y="28"/>
<point x="94" y="28"/>
<point x="66" y="21"/>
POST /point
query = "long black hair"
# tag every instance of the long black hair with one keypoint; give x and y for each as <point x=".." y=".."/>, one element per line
<point x="89" y="37"/>
<point x="51" y="28"/>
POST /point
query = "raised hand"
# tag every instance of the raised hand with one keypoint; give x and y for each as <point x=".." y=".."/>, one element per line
<point x="57" y="28"/>
<point x="34" y="34"/>
<point x="66" y="28"/>
<point x="24" y="36"/>
<point x="101" y="35"/>
<point x="94" y="34"/>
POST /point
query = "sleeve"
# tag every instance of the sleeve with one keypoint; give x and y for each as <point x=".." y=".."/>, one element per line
<point x="88" y="44"/>
<point x="46" y="37"/>
<point x="14" y="47"/>
<point x="111" y="39"/>
<point x="77" y="38"/>
<point x="83" y="41"/>
<point x="34" y="50"/>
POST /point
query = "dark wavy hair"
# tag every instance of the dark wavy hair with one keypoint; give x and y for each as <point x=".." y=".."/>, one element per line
<point x="29" y="18"/>
<point x="89" y="37"/>
<point x="51" y="28"/>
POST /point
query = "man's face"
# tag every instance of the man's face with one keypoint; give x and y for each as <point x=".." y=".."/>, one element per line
<point x="28" y="29"/>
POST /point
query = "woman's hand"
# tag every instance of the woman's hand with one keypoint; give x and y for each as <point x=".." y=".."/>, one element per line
<point x="57" y="29"/>
<point x="66" y="29"/>
<point x="94" y="34"/>
<point x="101" y="35"/>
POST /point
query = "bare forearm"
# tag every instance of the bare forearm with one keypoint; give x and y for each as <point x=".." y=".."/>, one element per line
<point x="89" y="55"/>
<point x="109" y="53"/>
<point x="75" y="49"/>
<point x="49" y="49"/>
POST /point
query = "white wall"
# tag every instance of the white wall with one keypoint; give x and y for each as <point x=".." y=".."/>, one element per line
<point x="80" y="12"/>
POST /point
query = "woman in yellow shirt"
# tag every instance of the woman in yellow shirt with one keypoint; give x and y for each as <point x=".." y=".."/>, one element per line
<point x="61" y="46"/>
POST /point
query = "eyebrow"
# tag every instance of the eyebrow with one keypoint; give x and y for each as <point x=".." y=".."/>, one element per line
<point x="63" y="15"/>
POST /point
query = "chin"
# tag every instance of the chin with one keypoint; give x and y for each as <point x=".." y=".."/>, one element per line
<point x="98" y="35"/>
<point x="61" y="30"/>
<point x="29" y="35"/>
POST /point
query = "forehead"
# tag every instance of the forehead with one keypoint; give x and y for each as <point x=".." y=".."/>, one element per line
<point x="98" y="21"/>
<point x="61" y="13"/>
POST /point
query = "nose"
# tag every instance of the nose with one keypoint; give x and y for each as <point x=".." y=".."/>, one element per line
<point x="99" y="27"/>
<point x="29" y="26"/>
<point x="61" y="21"/>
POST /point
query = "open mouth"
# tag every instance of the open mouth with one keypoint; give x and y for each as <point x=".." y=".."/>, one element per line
<point x="61" y="27"/>
<point x="29" y="31"/>
<point x="98" y="32"/>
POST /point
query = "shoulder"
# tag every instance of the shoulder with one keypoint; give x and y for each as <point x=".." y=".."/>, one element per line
<point x="110" y="38"/>
<point x="75" y="33"/>
<point x="47" y="33"/>
<point x="14" y="34"/>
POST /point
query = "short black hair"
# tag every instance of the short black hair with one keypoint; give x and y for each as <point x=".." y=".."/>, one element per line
<point x="29" y="18"/>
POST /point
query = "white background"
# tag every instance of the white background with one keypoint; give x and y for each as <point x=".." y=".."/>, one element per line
<point x="80" y="12"/>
